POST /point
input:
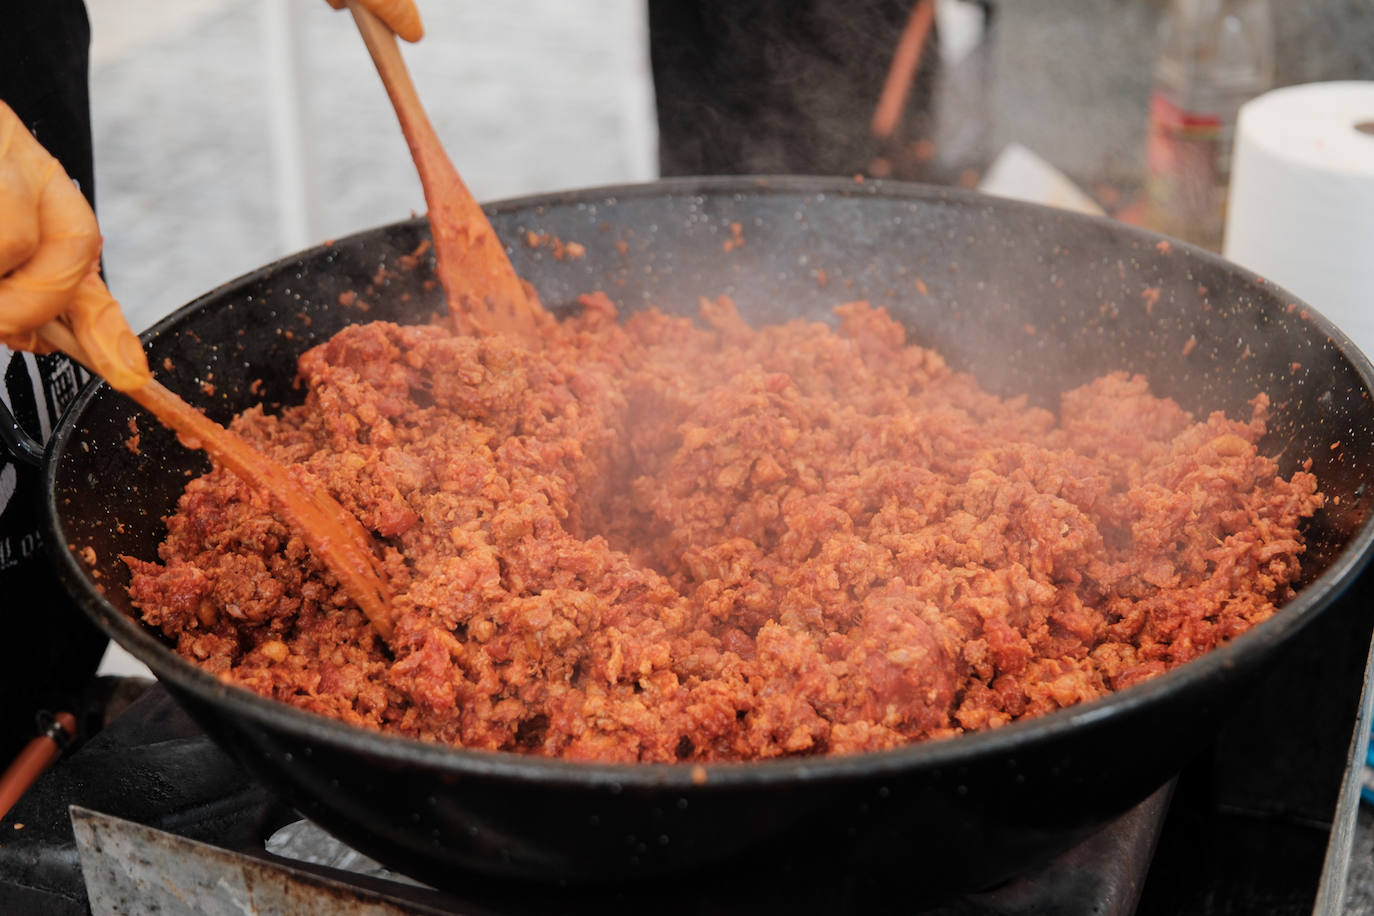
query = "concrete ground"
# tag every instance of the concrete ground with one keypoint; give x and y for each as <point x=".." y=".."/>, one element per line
<point x="527" y="95"/>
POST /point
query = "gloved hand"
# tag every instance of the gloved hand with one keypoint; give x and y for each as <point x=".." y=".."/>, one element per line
<point x="50" y="284"/>
<point x="400" y="16"/>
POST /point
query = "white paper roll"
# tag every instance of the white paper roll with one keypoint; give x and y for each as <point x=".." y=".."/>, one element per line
<point x="1301" y="203"/>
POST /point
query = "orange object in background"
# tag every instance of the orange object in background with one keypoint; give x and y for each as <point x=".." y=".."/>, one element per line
<point x="36" y="757"/>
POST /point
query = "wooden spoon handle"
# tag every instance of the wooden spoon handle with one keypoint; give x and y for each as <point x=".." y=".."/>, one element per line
<point x="334" y="535"/>
<point x="484" y="292"/>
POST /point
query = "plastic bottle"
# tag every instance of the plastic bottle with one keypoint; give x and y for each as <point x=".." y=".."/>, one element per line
<point x="1214" y="55"/>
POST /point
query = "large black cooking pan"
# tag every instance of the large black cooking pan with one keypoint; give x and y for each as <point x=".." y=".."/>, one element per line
<point x="1032" y="300"/>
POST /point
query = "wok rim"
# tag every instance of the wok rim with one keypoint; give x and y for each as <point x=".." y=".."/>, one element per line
<point x="180" y="675"/>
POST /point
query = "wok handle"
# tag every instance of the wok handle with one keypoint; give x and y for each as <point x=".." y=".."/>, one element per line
<point x="17" y="442"/>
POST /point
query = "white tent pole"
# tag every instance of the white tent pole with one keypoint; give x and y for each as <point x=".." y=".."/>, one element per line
<point x="292" y="159"/>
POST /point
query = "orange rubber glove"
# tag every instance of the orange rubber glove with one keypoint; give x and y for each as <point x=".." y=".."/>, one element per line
<point x="400" y="16"/>
<point x="50" y="263"/>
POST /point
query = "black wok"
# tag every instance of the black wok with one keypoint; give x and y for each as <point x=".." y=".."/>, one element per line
<point x="1032" y="300"/>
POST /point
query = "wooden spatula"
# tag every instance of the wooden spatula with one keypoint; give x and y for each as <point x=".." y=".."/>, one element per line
<point x="335" y="536"/>
<point x="485" y="294"/>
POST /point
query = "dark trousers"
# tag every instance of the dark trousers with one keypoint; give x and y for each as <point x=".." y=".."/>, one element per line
<point x="774" y="86"/>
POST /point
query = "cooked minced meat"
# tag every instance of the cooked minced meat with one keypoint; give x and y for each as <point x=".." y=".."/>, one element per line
<point x="668" y="539"/>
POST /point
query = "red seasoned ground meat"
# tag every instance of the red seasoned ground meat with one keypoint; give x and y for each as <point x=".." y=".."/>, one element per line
<point x="693" y="540"/>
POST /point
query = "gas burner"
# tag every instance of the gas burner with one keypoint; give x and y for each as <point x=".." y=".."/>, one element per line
<point x="130" y="866"/>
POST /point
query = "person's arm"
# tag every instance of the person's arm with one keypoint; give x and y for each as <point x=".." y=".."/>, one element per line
<point x="49" y="262"/>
